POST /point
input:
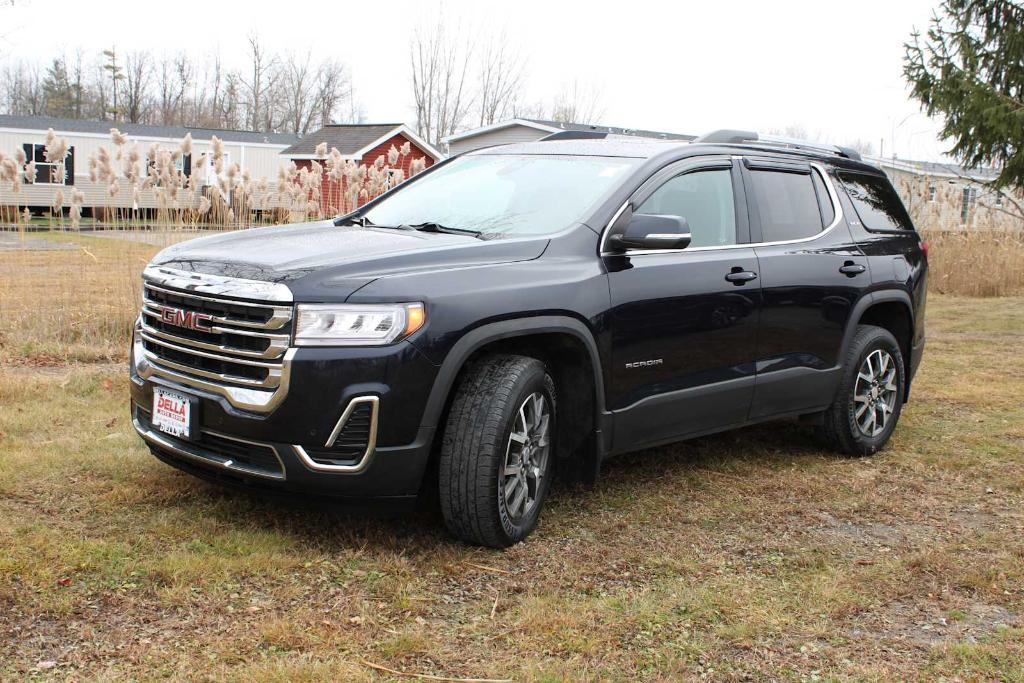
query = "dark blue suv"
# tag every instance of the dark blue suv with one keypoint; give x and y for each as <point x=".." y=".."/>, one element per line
<point x="530" y="310"/>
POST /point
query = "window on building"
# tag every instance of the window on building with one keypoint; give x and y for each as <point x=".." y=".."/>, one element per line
<point x="999" y="198"/>
<point x="787" y="204"/>
<point x="876" y="202"/>
<point x="46" y="172"/>
<point x="183" y="164"/>
<point x="209" y="174"/>
<point x="967" y="202"/>
<point x="704" y="199"/>
<point x="932" y="191"/>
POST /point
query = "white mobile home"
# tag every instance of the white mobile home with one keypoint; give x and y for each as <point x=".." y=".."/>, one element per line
<point x="257" y="153"/>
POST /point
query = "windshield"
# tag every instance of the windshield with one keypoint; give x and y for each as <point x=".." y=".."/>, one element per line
<point x="504" y="194"/>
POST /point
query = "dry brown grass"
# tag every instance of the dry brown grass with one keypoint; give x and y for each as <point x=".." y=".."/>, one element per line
<point x="749" y="555"/>
<point x="74" y="303"/>
<point x="976" y="263"/>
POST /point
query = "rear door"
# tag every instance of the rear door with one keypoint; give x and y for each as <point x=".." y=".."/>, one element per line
<point x="683" y="321"/>
<point x="812" y="273"/>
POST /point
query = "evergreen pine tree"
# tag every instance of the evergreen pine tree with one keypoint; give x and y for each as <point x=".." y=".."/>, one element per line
<point x="969" y="69"/>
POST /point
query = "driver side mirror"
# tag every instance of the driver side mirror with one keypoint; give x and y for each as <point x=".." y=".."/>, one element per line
<point x="652" y="231"/>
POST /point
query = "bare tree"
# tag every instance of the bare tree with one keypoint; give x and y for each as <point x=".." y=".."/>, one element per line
<point x="295" y="95"/>
<point x="173" y="78"/>
<point x="578" y="103"/>
<point x="138" y="73"/>
<point x="230" y="113"/>
<point x="440" y="72"/>
<point x="22" y="86"/>
<point x="263" y="75"/>
<point x="499" y="80"/>
<point x="333" y="88"/>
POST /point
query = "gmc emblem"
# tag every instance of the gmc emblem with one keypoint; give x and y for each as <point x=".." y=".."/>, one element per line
<point x="188" y="319"/>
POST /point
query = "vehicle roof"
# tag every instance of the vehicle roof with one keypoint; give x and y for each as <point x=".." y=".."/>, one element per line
<point x="650" y="149"/>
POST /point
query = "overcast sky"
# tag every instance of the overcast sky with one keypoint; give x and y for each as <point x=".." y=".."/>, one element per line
<point x="831" y="68"/>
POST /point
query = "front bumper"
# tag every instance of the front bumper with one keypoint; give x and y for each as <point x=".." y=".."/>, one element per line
<point x="286" y="449"/>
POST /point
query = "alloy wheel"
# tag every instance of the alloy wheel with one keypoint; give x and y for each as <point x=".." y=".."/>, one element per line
<point x="526" y="456"/>
<point x="875" y="392"/>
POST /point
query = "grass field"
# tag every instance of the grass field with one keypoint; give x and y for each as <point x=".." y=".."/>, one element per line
<point x="746" y="555"/>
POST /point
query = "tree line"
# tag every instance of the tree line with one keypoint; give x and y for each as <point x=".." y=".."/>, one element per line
<point x="459" y="79"/>
<point x="283" y="92"/>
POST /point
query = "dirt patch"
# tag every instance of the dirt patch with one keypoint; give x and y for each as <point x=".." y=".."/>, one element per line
<point x="929" y="622"/>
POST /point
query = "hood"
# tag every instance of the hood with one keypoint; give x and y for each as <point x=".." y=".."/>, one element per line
<point x="322" y="261"/>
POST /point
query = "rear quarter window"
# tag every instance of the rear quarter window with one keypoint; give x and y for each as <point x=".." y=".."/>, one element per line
<point x="876" y="202"/>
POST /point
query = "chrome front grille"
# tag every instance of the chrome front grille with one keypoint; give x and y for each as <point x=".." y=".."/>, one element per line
<point x="190" y="335"/>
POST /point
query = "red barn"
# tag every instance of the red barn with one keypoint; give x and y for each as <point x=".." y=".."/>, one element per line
<point x="363" y="144"/>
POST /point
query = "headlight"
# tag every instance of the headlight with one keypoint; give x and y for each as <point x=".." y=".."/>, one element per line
<point x="356" y="324"/>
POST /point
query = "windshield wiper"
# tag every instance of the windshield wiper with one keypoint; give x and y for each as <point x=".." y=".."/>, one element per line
<point x="430" y="226"/>
<point x="361" y="221"/>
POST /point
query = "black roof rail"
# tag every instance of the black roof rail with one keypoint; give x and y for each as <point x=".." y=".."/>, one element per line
<point x="575" y="135"/>
<point x="736" y="137"/>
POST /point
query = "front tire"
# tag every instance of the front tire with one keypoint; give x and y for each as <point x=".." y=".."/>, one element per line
<point x="497" y="451"/>
<point x="869" y="400"/>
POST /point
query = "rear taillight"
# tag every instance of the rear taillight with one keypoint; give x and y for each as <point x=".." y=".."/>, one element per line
<point x="924" y="249"/>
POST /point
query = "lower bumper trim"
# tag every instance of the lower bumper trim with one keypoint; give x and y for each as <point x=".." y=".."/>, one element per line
<point x="203" y="456"/>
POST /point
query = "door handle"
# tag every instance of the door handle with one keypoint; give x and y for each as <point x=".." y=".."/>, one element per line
<point x="851" y="269"/>
<point x="738" y="276"/>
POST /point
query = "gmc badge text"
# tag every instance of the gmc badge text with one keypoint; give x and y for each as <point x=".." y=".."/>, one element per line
<point x="533" y="309"/>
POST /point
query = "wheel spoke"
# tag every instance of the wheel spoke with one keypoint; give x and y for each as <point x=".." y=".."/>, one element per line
<point x="861" y="410"/>
<point x="869" y="422"/>
<point x="512" y="470"/>
<point x="542" y="430"/>
<point x="518" y="437"/>
<point x="518" y="501"/>
<point x="878" y="421"/>
<point x="510" y="486"/>
<point x="538" y="410"/>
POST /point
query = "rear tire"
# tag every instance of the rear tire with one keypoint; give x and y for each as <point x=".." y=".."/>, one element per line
<point x="497" y="451"/>
<point x="870" y="396"/>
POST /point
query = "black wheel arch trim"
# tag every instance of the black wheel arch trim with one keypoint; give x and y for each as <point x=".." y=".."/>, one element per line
<point x="477" y="338"/>
<point x="866" y="302"/>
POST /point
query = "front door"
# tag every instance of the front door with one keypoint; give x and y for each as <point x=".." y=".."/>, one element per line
<point x="683" y="321"/>
<point x="812" y="273"/>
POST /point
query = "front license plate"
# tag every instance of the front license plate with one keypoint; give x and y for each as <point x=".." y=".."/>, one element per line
<point x="173" y="413"/>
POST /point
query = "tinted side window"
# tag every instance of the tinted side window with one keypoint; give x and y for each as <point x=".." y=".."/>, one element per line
<point x="876" y="202"/>
<point x="704" y="199"/>
<point x="787" y="204"/>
